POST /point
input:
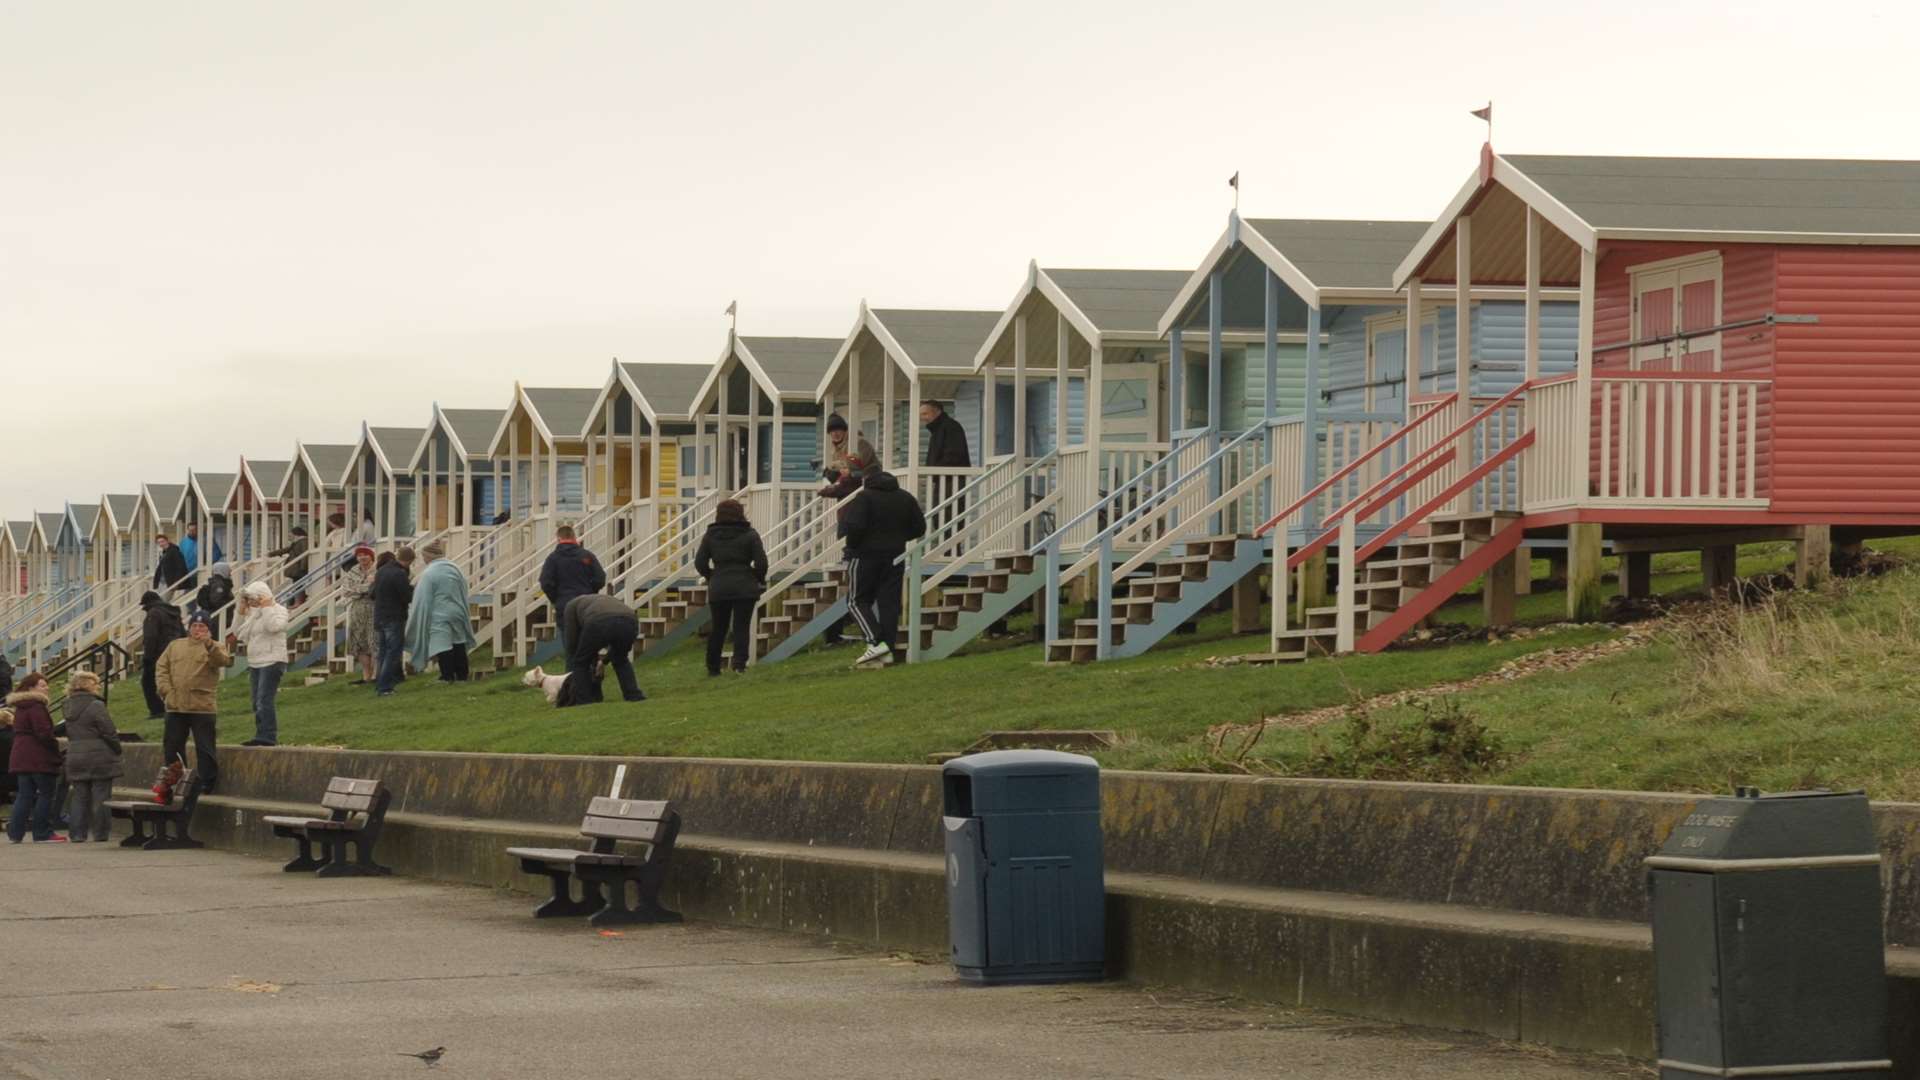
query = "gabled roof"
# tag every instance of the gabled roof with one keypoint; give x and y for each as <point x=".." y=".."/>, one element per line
<point x="21" y="534"/>
<point x="918" y="339"/>
<point x="214" y="488"/>
<point x="393" y="447"/>
<point x="665" y="390"/>
<point x="1315" y="259"/>
<point x="165" y="500"/>
<point x="470" y="431"/>
<point x="266" y="477"/>
<point x="781" y="366"/>
<point x="1100" y="304"/>
<point x="48" y="527"/>
<point x="85" y="516"/>
<point x="121" y="510"/>
<point x="1711" y="200"/>
<point x="326" y="461"/>
<point x="558" y="412"/>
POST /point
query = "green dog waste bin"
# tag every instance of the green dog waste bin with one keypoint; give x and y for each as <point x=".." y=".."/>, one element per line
<point x="1026" y="887"/>
<point x="1767" y="947"/>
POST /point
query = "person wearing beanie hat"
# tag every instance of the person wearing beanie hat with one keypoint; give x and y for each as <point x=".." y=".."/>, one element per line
<point x="160" y="628"/>
<point x="846" y="467"/>
<point x="188" y="676"/>
<point x="440" y="623"/>
<point x="214" y="597"/>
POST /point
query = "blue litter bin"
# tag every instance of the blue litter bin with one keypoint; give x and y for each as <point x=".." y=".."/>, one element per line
<point x="1026" y="882"/>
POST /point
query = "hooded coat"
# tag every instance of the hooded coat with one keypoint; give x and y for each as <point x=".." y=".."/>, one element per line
<point x="296" y="555"/>
<point x="218" y="591"/>
<point x="161" y="628"/>
<point x="883" y="520"/>
<point x="93" y="743"/>
<point x="440" y="618"/>
<point x="733" y="560"/>
<point x="35" y="750"/>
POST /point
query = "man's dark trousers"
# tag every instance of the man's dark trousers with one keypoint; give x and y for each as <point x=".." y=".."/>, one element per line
<point x="156" y="706"/>
<point x="613" y="636"/>
<point x="876" y="597"/>
<point x="173" y="744"/>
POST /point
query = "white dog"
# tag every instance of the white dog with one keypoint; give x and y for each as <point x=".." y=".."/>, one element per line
<point x="549" y="684"/>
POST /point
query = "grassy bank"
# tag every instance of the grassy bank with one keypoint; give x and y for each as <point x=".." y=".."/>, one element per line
<point x="1771" y="697"/>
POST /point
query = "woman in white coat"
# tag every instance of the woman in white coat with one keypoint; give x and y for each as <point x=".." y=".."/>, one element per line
<point x="262" y="630"/>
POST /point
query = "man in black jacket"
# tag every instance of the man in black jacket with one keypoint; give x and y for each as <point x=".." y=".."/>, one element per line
<point x="392" y="596"/>
<point x="598" y="624"/>
<point x="570" y="570"/>
<point x="161" y="628"/>
<point x="946" y="439"/>
<point x="171" y="566"/>
<point x="880" y="522"/>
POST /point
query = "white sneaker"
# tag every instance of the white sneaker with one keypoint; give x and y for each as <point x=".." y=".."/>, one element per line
<point x="875" y="654"/>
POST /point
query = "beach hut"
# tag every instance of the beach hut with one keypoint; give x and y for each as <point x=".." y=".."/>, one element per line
<point x="117" y="546"/>
<point x="379" y="479"/>
<point x="253" y="505"/>
<point x="636" y="426"/>
<point x="760" y="389"/>
<point x="539" y="455"/>
<point x="892" y="360"/>
<point x="205" y="506"/>
<point x="453" y="473"/>
<point x="312" y="493"/>
<point x="1745" y="356"/>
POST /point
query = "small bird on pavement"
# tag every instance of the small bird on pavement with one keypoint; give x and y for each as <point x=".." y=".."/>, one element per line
<point x="431" y="1057"/>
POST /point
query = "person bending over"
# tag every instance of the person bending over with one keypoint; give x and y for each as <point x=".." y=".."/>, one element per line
<point x="599" y="625"/>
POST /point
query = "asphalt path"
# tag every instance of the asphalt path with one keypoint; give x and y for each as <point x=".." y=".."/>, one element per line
<point x="205" y="965"/>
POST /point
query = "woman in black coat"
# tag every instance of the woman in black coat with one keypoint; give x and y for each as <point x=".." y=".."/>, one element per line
<point x="734" y="563"/>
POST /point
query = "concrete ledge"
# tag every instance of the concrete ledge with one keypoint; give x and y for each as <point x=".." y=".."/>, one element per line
<point x="1515" y="912"/>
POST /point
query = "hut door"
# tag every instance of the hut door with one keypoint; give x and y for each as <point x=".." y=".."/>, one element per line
<point x="1675" y="299"/>
<point x="1129" y="402"/>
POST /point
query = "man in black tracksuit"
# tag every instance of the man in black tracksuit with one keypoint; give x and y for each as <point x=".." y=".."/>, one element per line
<point x="570" y="570"/>
<point x="879" y="524"/>
<point x="593" y="625"/>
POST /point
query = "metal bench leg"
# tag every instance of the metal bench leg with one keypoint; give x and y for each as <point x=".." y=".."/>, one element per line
<point x="138" y="838"/>
<point x="647" y="910"/>
<point x="304" y="860"/>
<point x="562" y="904"/>
<point x="337" y="864"/>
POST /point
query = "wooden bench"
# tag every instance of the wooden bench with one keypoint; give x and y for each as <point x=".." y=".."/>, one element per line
<point x="356" y="809"/>
<point x="604" y="872"/>
<point x="168" y="821"/>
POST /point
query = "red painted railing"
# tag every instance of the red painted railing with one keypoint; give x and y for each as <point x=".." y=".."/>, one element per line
<point x="1350" y="467"/>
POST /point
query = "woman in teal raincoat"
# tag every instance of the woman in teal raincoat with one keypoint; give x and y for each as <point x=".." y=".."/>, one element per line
<point x="440" y="624"/>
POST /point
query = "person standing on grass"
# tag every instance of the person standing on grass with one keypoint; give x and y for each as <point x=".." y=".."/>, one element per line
<point x="170" y="569"/>
<point x="570" y="570"/>
<point x="161" y="628"/>
<point x="440" y="624"/>
<point x="93" y="758"/>
<point x="360" y="644"/>
<point x="733" y="560"/>
<point x="189" y="680"/>
<point x="599" y="625"/>
<point x="392" y="595"/>
<point x="880" y="523"/>
<point x="262" y="630"/>
<point x="848" y="466"/>
<point x="34" y="761"/>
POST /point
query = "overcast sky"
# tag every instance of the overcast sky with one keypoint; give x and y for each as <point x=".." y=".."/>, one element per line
<point x="227" y="225"/>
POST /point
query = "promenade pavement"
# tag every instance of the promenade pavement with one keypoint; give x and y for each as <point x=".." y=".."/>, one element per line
<point x="206" y="965"/>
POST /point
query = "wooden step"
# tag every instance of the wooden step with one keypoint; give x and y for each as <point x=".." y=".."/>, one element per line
<point x="1072" y="651"/>
<point x="1019" y="564"/>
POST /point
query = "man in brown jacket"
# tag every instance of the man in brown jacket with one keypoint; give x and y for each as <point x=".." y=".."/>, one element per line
<point x="188" y="678"/>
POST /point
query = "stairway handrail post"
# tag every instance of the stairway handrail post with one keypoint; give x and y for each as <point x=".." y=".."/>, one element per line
<point x="1050" y="550"/>
<point x="1103" y="601"/>
<point x="914" y="606"/>
<point x="1345" y="613"/>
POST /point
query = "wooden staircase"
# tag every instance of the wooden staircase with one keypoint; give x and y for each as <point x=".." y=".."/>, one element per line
<point x="1400" y="585"/>
<point x="789" y="622"/>
<point x="1149" y="603"/>
<point x="964" y="607"/>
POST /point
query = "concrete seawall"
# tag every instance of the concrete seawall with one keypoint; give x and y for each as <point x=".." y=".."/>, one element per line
<point x="1516" y="912"/>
